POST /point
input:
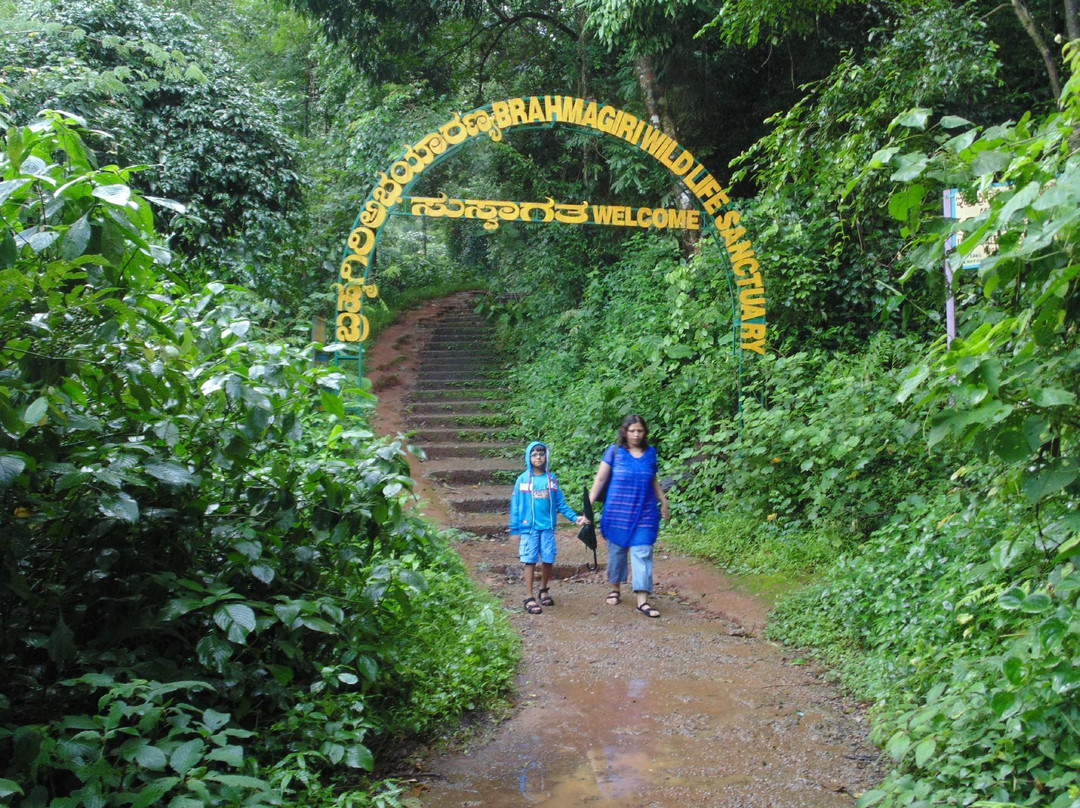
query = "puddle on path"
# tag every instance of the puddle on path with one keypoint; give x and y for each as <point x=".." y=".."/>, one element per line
<point x="615" y="709"/>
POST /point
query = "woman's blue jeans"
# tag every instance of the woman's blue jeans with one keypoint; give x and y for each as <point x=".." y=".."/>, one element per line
<point x="640" y="557"/>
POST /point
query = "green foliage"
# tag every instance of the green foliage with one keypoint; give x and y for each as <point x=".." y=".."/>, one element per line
<point x="742" y="22"/>
<point x="827" y="241"/>
<point x="964" y="604"/>
<point x="949" y="624"/>
<point x="210" y="140"/>
<point x="211" y="590"/>
<point x="804" y="619"/>
<point x="742" y="543"/>
<point x="410" y="40"/>
<point x="642" y="25"/>
<point x="826" y="444"/>
<point x="141" y="746"/>
<point x="1007" y="387"/>
<point x="452" y="653"/>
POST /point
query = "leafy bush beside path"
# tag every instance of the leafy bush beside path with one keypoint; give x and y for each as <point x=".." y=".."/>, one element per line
<point x="211" y="590"/>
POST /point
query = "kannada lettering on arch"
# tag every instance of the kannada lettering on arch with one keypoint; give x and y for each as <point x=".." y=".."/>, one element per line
<point x="552" y="110"/>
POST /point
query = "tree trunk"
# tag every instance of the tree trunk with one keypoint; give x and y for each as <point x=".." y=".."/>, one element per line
<point x="1032" y="29"/>
<point x="657" y="107"/>
<point x="1072" y="19"/>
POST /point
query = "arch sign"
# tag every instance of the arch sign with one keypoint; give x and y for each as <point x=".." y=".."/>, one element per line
<point x="713" y="208"/>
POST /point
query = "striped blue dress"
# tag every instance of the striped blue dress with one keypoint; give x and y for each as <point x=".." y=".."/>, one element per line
<point x="631" y="512"/>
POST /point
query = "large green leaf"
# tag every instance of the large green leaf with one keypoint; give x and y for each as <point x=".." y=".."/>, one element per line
<point x="171" y="473"/>
<point x="186" y="756"/>
<point x="9" y="788"/>
<point x="359" y="756"/>
<point x="8" y="187"/>
<point x="11" y="466"/>
<point x="214" y="651"/>
<point x="237" y="620"/>
<point x="231" y="755"/>
<point x="76" y="238"/>
<point x="36" y="411"/>
<point x="153" y="792"/>
<point x="1036" y="603"/>
<point x="1011" y="445"/>
<point x="1044" y="481"/>
<point x="1053" y="397"/>
<point x="215" y="720"/>
<point x="151" y="757"/>
<point x="925" y="750"/>
<point x="118" y="195"/>
<point x="120" y="506"/>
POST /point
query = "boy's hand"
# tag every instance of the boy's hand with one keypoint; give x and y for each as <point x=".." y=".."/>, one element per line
<point x="582" y="520"/>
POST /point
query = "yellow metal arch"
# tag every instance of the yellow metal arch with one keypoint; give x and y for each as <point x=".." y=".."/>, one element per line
<point x="709" y="196"/>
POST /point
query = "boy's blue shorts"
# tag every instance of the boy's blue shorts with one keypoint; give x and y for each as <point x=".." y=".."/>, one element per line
<point x="537" y="545"/>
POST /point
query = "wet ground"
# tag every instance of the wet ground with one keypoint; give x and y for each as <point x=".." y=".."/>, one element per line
<point x="613" y="708"/>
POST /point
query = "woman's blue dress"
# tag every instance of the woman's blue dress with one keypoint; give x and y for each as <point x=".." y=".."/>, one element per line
<point x="631" y="512"/>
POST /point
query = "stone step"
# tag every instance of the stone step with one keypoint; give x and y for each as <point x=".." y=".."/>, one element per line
<point x="472" y="385"/>
<point x="453" y="338"/>
<point x="471" y="365"/>
<point x="458" y="375"/>
<point x="484" y="526"/>
<point x="499" y="448"/>
<point x="460" y="407"/>
<point x="490" y="420"/>
<point x="489" y="505"/>
<point x="449" y="394"/>
<point x="515" y="463"/>
<point x="456" y="478"/>
<point x="465" y="434"/>
<point x="461" y="320"/>
<point x="483" y="361"/>
<point x="475" y="349"/>
<point x="458" y="329"/>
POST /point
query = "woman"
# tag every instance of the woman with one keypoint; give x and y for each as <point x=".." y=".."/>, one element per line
<point x="633" y="506"/>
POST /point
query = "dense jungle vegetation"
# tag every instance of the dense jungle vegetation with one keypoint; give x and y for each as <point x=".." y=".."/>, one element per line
<point x="213" y="591"/>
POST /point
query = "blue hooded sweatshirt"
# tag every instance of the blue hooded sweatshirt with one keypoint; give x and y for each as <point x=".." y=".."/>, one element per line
<point x="522" y="502"/>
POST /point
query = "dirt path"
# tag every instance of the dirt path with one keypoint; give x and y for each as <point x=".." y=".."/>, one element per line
<point x="613" y="709"/>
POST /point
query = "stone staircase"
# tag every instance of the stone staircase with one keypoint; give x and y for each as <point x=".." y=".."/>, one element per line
<point x="456" y="412"/>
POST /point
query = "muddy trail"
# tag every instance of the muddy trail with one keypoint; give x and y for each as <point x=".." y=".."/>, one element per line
<point x="693" y="709"/>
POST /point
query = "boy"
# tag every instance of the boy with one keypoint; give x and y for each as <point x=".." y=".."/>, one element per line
<point x="533" y="507"/>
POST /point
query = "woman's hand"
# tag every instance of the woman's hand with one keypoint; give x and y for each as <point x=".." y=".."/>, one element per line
<point x="661" y="497"/>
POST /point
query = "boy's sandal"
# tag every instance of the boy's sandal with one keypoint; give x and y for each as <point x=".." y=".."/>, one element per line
<point x="612" y="598"/>
<point x="532" y="607"/>
<point x="545" y="598"/>
<point x="648" y="610"/>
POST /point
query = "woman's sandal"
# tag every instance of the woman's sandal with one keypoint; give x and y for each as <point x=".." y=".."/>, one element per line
<point x="545" y="598"/>
<point x="648" y="610"/>
<point x="532" y="607"/>
<point x="612" y="598"/>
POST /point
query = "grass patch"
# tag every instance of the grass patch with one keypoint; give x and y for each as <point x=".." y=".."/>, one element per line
<point x="799" y="620"/>
<point x="744" y="544"/>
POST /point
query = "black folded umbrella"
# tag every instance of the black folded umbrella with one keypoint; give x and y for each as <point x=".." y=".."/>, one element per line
<point x="587" y="534"/>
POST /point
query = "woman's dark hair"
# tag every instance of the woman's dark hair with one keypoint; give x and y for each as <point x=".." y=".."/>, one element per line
<point x="628" y="422"/>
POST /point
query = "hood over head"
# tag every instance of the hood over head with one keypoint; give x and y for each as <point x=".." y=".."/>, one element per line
<point x="528" y="452"/>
